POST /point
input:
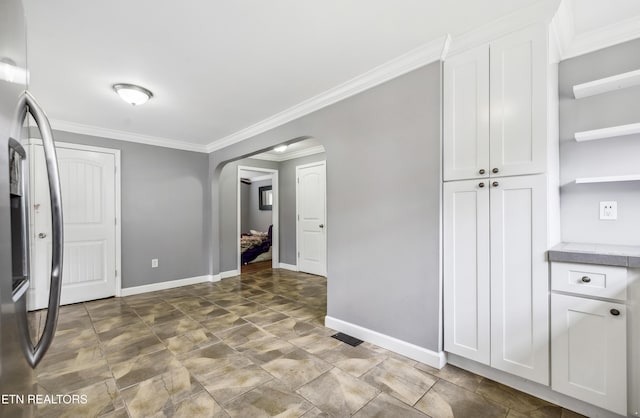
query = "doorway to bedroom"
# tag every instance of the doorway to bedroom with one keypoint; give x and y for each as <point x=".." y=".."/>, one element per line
<point x="257" y="219"/>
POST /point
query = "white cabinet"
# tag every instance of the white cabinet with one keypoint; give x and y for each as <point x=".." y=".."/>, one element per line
<point x="495" y="274"/>
<point x="495" y="108"/>
<point x="466" y="115"/>
<point x="466" y="269"/>
<point x="589" y="351"/>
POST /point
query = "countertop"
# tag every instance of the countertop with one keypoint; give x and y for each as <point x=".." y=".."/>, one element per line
<point x="610" y="255"/>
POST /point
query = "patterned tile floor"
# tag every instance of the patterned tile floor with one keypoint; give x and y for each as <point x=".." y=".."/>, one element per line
<point x="249" y="346"/>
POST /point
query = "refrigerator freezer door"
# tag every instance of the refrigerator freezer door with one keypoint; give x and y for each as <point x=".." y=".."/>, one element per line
<point x="16" y="375"/>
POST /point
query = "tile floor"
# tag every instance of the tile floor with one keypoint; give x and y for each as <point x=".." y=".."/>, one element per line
<point x="248" y="346"/>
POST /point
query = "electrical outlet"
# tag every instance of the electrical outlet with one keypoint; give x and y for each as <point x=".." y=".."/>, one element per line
<point x="154" y="262"/>
<point x="609" y="211"/>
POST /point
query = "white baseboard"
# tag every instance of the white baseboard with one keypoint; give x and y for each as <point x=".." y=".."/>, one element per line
<point x="423" y="355"/>
<point x="136" y="290"/>
<point x="286" y="266"/>
<point x="532" y="388"/>
<point x="230" y="273"/>
<point x="216" y="278"/>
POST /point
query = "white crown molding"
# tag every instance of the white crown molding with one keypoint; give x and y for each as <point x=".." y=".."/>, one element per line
<point x="562" y="29"/>
<point x="539" y="12"/>
<point x="289" y="155"/>
<point x="600" y="38"/>
<point x="261" y="178"/>
<point x="421" y="56"/>
<point x="78" y="128"/>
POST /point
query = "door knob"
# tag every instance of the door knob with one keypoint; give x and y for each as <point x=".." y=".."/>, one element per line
<point x="42" y="235"/>
<point x="321" y="225"/>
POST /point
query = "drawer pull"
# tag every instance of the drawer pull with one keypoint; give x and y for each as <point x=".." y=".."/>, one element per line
<point x="614" y="312"/>
<point x="586" y="279"/>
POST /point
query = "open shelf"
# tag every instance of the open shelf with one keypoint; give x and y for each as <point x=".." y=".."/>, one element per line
<point x="604" y="85"/>
<point x="611" y="132"/>
<point x="608" y="179"/>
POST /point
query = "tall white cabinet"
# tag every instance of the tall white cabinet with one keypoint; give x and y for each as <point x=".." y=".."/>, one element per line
<point x="497" y="156"/>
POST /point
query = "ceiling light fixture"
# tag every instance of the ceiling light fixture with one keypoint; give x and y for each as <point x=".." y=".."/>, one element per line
<point x="280" y="148"/>
<point x="132" y="94"/>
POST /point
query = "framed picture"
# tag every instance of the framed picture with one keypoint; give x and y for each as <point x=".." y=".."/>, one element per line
<point x="266" y="197"/>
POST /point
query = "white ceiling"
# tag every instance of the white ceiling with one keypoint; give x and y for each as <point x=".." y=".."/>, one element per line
<point x="217" y="67"/>
<point x="298" y="149"/>
<point x="592" y="15"/>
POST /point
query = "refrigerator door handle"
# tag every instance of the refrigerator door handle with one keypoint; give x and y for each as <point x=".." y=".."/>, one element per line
<point x="35" y="353"/>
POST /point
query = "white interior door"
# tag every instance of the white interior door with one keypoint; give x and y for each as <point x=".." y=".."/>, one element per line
<point x="87" y="182"/>
<point x="311" y="208"/>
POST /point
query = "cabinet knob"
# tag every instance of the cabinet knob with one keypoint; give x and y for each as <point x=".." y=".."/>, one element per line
<point x="614" y="312"/>
<point x="482" y="171"/>
<point x="495" y="184"/>
<point x="481" y="185"/>
<point x="586" y="279"/>
<point x="495" y="170"/>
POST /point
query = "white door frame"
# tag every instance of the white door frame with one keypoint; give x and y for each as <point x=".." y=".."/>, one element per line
<point x="275" y="232"/>
<point x="118" y="212"/>
<point x="298" y="167"/>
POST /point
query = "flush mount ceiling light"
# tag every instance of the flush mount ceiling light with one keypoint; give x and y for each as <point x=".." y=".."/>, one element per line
<point x="280" y="148"/>
<point x="132" y="94"/>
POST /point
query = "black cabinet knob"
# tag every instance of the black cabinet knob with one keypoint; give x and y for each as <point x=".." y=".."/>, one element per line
<point x="481" y="185"/>
<point x="495" y="170"/>
<point x="614" y="312"/>
<point x="482" y="171"/>
<point x="586" y="279"/>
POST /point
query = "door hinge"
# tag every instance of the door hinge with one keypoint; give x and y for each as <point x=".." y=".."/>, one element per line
<point x="116" y="273"/>
<point x="298" y="180"/>
<point x="298" y="216"/>
<point x="298" y="254"/>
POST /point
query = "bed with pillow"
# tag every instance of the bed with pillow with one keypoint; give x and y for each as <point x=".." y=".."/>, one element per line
<point x="255" y="246"/>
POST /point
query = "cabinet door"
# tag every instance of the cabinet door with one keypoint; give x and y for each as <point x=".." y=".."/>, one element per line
<point x="518" y="103"/>
<point x="589" y="351"/>
<point x="466" y="269"/>
<point x="466" y="115"/>
<point x="519" y="277"/>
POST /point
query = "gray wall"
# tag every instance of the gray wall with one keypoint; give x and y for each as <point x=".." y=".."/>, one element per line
<point x="165" y="210"/>
<point x="606" y="157"/>
<point x="384" y="254"/>
<point x="287" y="190"/>
<point x="258" y="219"/>
<point x="227" y="180"/>
<point x="245" y="189"/>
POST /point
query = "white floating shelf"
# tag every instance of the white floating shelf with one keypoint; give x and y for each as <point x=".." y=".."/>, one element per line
<point x="611" y="132"/>
<point x="608" y="179"/>
<point x="616" y="82"/>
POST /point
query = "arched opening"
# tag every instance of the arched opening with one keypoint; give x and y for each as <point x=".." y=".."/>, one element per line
<point x="285" y="240"/>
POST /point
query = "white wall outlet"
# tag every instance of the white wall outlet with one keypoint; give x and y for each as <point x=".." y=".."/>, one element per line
<point x="609" y="211"/>
<point x="154" y="262"/>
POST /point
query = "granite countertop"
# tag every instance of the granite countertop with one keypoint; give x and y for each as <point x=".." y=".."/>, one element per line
<point x="610" y="255"/>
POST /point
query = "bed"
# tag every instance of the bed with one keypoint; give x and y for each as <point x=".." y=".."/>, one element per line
<point x="255" y="246"/>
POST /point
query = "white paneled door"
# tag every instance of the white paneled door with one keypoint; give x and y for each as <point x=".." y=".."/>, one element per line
<point x="519" y="277"/>
<point x="311" y="210"/>
<point x="88" y="186"/>
<point x="466" y="270"/>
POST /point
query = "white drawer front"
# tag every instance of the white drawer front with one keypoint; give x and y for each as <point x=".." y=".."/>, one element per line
<point x="589" y="279"/>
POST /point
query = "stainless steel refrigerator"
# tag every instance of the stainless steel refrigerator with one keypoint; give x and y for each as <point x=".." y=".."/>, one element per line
<point x="18" y="354"/>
